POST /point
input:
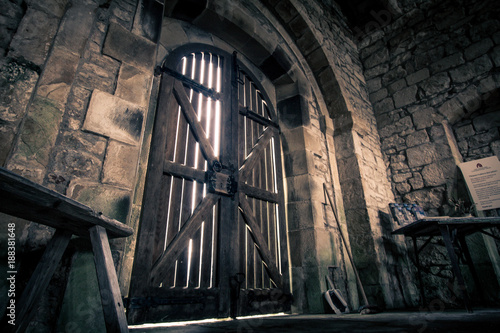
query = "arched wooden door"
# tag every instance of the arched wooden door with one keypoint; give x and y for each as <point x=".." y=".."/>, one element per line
<point x="212" y="240"/>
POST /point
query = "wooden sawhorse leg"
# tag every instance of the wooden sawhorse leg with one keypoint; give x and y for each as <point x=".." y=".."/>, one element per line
<point x="41" y="278"/>
<point x="454" y="265"/>
<point x="112" y="303"/>
<point x="419" y="271"/>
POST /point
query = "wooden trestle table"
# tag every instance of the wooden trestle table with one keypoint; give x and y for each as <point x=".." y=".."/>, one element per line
<point x="453" y="230"/>
<point x="25" y="199"/>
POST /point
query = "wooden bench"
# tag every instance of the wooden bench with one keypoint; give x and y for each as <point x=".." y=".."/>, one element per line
<point x="25" y="199"/>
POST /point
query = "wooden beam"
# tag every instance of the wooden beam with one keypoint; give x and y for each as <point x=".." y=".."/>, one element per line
<point x="112" y="303"/>
<point x="245" y="111"/>
<point x="259" y="240"/>
<point x="177" y="245"/>
<point x="256" y="153"/>
<point x="192" y="118"/>
<point x="40" y="278"/>
<point x="139" y="282"/>
<point x="258" y="193"/>
<point x="51" y="208"/>
<point x="183" y="171"/>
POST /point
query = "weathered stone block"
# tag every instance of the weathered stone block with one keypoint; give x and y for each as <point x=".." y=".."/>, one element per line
<point x="75" y="28"/>
<point x="300" y="215"/>
<point x="293" y="111"/>
<point x="487" y="121"/>
<point x="451" y="61"/>
<point x="417" y="138"/>
<point x="395" y="74"/>
<point x="120" y="165"/>
<point x="16" y="85"/>
<point x="286" y="10"/>
<point x="379" y="95"/>
<point x="114" y="117"/>
<point x="386" y="105"/>
<point x="377" y="58"/>
<point x="58" y="75"/>
<point x="421" y="155"/>
<point x="452" y="110"/>
<point x="111" y="201"/>
<point x="495" y="55"/>
<point x="403" y="188"/>
<point x="374" y="85"/>
<point x="416" y="181"/>
<point x="34" y="37"/>
<point x="405" y="96"/>
<point x="427" y="199"/>
<point x="433" y="175"/>
<point x="397" y="86"/>
<point x="54" y="7"/>
<point x="470" y="99"/>
<point x="38" y="133"/>
<point x="478" y="49"/>
<point x="98" y="73"/>
<point x="123" y="45"/>
<point x="79" y="154"/>
<point x="298" y="188"/>
<point x="464" y="132"/>
<point x="376" y="71"/>
<point x="483" y="139"/>
<point x="401" y="177"/>
<point x="296" y="163"/>
<point x="437" y="83"/>
<point x="134" y="85"/>
<point x="417" y="76"/>
<point x="394" y="141"/>
<point x="294" y="140"/>
<point x="354" y="196"/>
<point x="172" y="35"/>
<point x="425" y="117"/>
<point x="348" y="168"/>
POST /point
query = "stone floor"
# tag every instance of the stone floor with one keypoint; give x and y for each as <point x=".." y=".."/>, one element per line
<point x="452" y="321"/>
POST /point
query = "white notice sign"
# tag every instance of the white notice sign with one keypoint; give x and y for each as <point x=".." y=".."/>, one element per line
<point x="483" y="180"/>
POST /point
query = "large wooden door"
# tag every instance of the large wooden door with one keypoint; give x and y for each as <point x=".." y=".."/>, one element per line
<point x="212" y="238"/>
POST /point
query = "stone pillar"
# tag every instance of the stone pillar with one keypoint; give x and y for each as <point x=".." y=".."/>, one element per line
<point x="313" y="235"/>
<point x="366" y="193"/>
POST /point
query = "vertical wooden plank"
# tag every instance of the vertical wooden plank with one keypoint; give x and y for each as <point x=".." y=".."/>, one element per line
<point x="271" y="216"/>
<point x="144" y="255"/>
<point x="282" y="258"/>
<point x="166" y="180"/>
<point x="28" y="302"/>
<point x="112" y="303"/>
<point x="194" y="269"/>
<point x="250" y="258"/>
<point x="206" y="249"/>
<point x="162" y="216"/>
<point x="228" y="242"/>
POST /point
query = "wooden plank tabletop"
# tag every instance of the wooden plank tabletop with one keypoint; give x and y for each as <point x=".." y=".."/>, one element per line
<point x="429" y="226"/>
<point x="31" y="201"/>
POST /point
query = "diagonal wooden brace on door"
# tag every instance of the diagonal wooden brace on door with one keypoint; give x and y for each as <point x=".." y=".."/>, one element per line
<point x="192" y="119"/>
<point x="256" y="154"/>
<point x="265" y="254"/>
<point x="175" y="248"/>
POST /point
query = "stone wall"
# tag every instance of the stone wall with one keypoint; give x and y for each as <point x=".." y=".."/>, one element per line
<point x="74" y="105"/>
<point x="361" y="168"/>
<point x="432" y="75"/>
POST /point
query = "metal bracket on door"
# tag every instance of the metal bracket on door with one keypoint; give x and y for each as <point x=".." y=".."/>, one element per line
<point x="221" y="180"/>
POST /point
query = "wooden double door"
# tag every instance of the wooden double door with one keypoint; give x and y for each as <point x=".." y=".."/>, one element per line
<point x="212" y="238"/>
